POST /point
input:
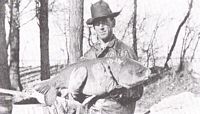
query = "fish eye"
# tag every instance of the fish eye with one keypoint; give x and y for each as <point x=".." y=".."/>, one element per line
<point x="140" y="71"/>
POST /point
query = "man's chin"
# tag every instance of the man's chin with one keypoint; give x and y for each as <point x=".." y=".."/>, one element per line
<point x="103" y="37"/>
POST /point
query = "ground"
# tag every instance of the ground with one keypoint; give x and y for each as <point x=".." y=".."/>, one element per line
<point x="172" y="83"/>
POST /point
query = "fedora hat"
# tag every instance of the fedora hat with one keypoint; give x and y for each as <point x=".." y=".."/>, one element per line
<point x="100" y="10"/>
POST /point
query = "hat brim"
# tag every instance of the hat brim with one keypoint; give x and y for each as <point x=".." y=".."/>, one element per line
<point x="90" y="21"/>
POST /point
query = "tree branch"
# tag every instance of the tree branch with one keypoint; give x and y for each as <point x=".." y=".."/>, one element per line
<point x="26" y="6"/>
<point x="28" y="21"/>
<point x="195" y="48"/>
<point x="177" y="33"/>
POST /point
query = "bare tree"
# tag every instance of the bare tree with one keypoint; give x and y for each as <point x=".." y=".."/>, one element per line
<point x="140" y="26"/>
<point x="4" y="77"/>
<point x="186" y="43"/>
<point x="134" y="29"/>
<point x="23" y="11"/>
<point x="44" y="38"/>
<point x="150" y="50"/>
<point x="14" y="45"/>
<point x="63" y="25"/>
<point x="195" y="48"/>
<point x="75" y="30"/>
<point x="5" y="106"/>
<point x="177" y="33"/>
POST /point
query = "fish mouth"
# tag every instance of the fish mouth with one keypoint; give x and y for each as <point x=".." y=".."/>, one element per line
<point x="127" y="86"/>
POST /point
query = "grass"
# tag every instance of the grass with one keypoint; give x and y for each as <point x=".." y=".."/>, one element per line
<point x="171" y="84"/>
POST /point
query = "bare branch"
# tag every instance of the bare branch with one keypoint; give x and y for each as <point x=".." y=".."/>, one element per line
<point x="26" y="6"/>
<point x="27" y="12"/>
<point x="195" y="48"/>
<point x="177" y="33"/>
<point x="52" y="5"/>
<point x="134" y="29"/>
<point x="150" y="49"/>
<point x="128" y="25"/>
<point x="28" y="21"/>
<point x="191" y="39"/>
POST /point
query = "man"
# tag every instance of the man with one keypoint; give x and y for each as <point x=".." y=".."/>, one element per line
<point x="103" y="21"/>
<point x="114" y="98"/>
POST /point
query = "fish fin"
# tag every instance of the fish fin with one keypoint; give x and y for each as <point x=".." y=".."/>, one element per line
<point x="42" y="87"/>
<point x="48" y="90"/>
<point x="50" y="96"/>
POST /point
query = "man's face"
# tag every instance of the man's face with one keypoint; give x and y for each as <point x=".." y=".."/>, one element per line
<point x="103" y="28"/>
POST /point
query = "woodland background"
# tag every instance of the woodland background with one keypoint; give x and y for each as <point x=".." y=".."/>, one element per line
<point x="157" y="20"/>
<point x="39" y="37"/>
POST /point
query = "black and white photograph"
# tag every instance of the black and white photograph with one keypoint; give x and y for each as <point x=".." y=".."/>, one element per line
<point x="99" y="56"/>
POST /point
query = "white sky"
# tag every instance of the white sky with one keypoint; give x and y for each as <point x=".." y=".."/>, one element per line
<point x="169" y="12"/>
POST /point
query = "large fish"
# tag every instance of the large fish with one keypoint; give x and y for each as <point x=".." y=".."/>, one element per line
<point x="127" y="72"/>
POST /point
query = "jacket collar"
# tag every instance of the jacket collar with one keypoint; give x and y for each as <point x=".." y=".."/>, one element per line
<point x="110" y="44"/>
<point x="101" y="48"/>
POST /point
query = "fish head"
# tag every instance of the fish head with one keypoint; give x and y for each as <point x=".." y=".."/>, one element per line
<point x="132" y="73"/>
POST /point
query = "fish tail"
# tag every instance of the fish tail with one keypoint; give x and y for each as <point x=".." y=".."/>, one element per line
<point x="48" y="90"/>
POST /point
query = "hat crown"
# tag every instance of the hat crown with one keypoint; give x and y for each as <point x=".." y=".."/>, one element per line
<point x="100" y="9"/>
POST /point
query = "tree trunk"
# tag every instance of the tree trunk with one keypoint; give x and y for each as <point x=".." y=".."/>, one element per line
<point x="134" y="30"/>
<point x="177" y="33"/>
<point x="4" y="76"/>
<point x="44" y="39"/>
<point x="75" y="30"/>
<point x="14" y="45"/>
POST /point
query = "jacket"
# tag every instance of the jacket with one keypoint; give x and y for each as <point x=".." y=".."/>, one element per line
<point x="124" y="101"/>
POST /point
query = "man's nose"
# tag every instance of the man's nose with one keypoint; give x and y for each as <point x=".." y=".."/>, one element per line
<point x="101" y="26"/>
